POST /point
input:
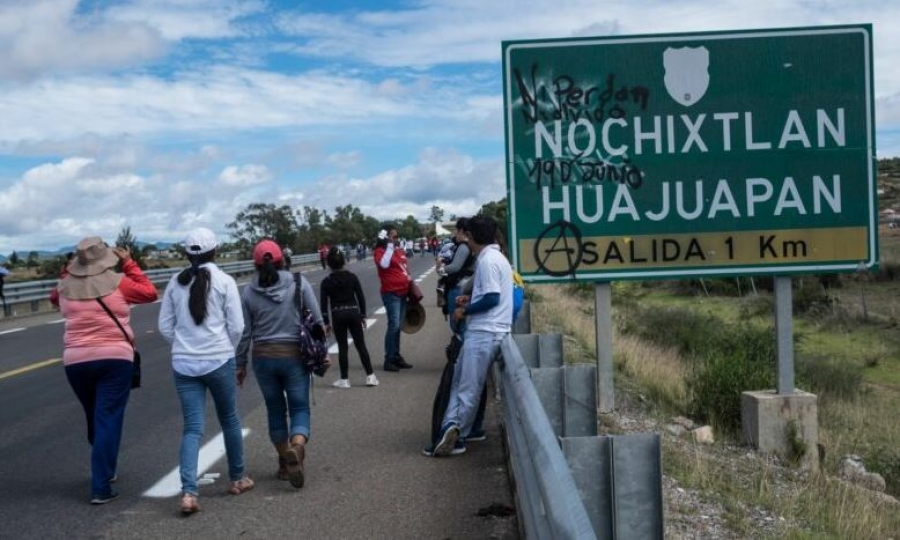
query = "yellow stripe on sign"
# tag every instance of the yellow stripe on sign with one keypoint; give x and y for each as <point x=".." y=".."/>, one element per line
<point x="557" y="253"/>
<point x="28" y="368"/>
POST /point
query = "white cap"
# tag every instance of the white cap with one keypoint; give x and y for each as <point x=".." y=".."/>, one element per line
<point x="199" y="241"/>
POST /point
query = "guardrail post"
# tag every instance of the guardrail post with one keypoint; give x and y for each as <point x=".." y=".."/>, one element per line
<point x="620" y="479"/>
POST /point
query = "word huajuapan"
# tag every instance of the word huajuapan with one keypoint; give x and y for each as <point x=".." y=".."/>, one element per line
<point x="697" y="201"/>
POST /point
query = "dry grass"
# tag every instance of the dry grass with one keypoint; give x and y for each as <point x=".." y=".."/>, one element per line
<point x="819" y="506"/>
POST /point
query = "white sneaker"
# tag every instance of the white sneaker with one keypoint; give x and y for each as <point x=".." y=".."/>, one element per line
<point x="371" y="380"/>
<point x="341" y="383"/>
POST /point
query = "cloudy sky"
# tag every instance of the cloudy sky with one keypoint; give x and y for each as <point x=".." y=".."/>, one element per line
<point x="170" y="114"/>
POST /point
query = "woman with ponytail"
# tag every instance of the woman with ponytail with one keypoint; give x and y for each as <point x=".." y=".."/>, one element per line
<point x="273" y="326"/>
<point x="201" y="318"/>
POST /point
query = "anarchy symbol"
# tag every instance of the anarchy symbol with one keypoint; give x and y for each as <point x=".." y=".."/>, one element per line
<point x="556" y="239"/>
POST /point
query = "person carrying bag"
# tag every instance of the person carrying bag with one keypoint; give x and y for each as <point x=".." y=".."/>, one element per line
<point x="98" y="362"/>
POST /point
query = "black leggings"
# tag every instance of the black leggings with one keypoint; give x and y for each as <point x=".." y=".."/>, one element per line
<point x="341" y="322"/>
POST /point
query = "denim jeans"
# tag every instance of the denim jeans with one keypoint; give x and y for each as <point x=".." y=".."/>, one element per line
<point x="395" y="308"/>
<point x="102" y="387"/>
<point x="284" y="383"/>
<point x="478" y="352"/>
<point x="192" y="393"/>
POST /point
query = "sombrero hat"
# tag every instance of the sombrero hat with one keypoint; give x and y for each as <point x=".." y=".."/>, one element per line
<point x="414" y="319"/>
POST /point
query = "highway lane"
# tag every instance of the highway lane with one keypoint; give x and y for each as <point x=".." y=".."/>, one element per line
<point x="44" y="458"/>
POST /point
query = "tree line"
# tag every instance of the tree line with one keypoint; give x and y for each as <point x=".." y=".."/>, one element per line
<point x="302" y="230"/>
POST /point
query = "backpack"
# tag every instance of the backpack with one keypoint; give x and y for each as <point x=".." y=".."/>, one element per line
<point x="312" y="342"/>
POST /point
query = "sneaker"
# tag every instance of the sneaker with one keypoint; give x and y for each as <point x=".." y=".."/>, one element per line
<point x="476" y="435"/>
<point x="371" y="380"/>
<point x="447" y="443"/>
<point x="103" y="499"/>
<point x="458" y="448"/>
<point x="341" y="383"/>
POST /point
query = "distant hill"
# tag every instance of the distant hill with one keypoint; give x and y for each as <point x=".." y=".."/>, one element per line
<point x="46" y="254"/>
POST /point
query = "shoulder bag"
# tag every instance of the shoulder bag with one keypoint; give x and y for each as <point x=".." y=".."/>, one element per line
<point x="136" y="374"/>
<point x="313" y="345"/>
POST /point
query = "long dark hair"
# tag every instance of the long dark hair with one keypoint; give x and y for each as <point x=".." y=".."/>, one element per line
<point x="268" y="271"/>
<point x="335" y="258"/>
<point x="200" y="280"/>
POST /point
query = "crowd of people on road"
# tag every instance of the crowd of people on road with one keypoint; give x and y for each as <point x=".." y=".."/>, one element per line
<point x="215" y="330"/>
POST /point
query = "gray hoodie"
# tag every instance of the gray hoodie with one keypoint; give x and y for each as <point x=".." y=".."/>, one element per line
<point x="270" y="313"/>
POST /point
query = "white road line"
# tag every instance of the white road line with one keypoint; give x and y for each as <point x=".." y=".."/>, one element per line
<point x="170" y="484"/>
<point x="11" y="330"/>
<point x="57" y="321"/>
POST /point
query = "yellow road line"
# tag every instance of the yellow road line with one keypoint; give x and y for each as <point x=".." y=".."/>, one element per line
<point x="31" y="367"/>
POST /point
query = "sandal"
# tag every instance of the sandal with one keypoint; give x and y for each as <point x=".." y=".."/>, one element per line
<point x="240" y="486"/>
<point x="294" y="456"/>
<point x="189" y="504"/>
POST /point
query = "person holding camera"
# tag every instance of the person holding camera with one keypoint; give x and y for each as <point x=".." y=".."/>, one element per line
<point x="390" y="261"/>
<point x="98" y="352"/>
<point x="272" y="317"/>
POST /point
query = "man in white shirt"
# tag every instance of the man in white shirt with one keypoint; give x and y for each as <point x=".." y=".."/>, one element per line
<point x="489" y="312"/>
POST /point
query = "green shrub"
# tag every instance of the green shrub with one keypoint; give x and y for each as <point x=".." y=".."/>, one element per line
<point x="829" y="378"/>
<point x="684" y="329"/>
<point x="886" y="462"/>
<point x="741" y="358"/>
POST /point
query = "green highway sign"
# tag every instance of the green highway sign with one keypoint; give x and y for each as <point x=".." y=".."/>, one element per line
<point x="691" y="155"/>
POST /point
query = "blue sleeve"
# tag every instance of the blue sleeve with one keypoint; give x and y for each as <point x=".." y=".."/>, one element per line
<point x="485" y="303"/>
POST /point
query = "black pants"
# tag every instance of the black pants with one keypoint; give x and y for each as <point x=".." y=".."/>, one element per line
<point x="352" y="320"/>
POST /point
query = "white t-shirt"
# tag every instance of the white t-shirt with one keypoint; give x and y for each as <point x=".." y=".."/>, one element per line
<point x="493" y="274"/>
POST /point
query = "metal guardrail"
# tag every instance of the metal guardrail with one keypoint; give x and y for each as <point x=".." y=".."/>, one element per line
<point x="38" y="292"/>
<point x="549" y="505"/>
<point x="562" y="469"/>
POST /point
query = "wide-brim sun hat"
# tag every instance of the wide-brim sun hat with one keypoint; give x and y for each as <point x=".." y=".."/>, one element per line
<point x="92" y="256"/>
<point x="90" y="272"/>
<point x="414" y="319"/>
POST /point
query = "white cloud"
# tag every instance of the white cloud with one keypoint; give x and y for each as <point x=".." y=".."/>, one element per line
<point x="39" y="37"/>
<point x="182" y="19"/>
<point x="456" y="182"/>
<point x="245" y="175"/>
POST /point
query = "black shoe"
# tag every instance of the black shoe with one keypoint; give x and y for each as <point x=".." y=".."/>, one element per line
<point x="390" y="366"/>
<point x="401" y="363"/>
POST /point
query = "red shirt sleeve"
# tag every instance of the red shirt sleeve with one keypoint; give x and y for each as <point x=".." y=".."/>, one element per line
<point x="135" y="286"/>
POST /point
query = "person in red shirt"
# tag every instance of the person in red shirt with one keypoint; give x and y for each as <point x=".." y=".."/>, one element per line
<point x="323" y="254"/>
<point x="390" y="260"/>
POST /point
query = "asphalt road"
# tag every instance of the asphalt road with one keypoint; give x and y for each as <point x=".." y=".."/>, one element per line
<point x="366" y="477"/>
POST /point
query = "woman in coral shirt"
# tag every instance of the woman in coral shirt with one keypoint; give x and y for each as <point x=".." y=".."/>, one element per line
<point x="98" y="355"/>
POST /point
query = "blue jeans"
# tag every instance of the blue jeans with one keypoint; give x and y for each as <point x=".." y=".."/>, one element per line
<point x="395" y="306"/>
<point x="478" y="352"/>
<point x="102" y="387"/>
<point x="192" y="393"/>
<point x="284" y="383"/>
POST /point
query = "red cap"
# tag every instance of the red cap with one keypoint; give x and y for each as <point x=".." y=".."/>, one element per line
<point x="267" y="247"/>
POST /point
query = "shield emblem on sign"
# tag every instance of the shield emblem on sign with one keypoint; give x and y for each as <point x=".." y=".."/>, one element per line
<point x="687" y="75"/>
